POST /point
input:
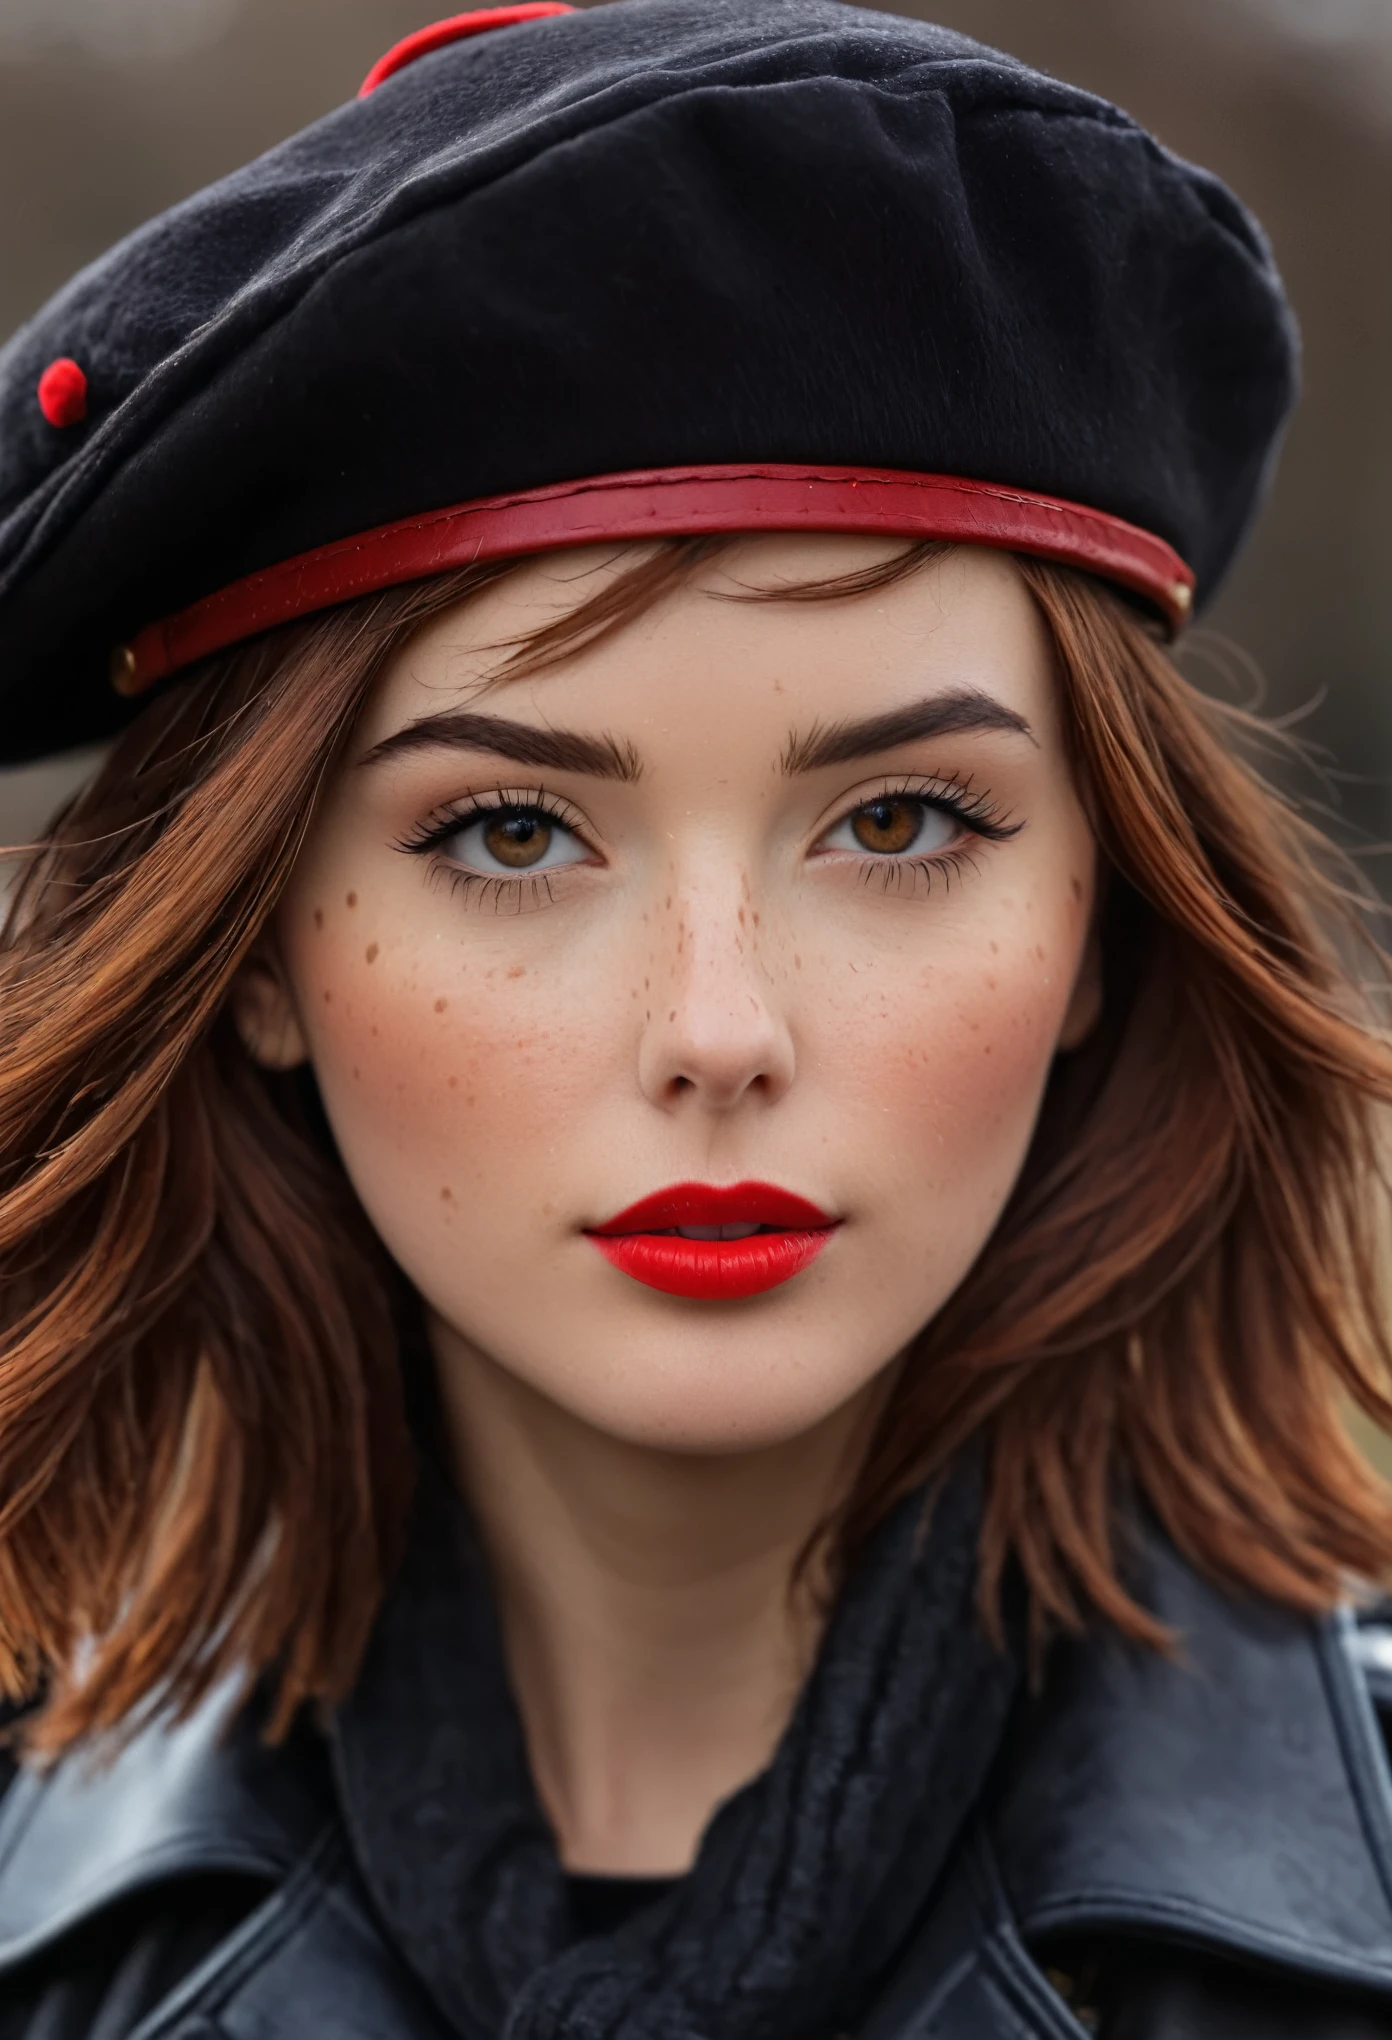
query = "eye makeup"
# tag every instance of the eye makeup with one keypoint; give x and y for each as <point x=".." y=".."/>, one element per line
<point x="909" y="826"/>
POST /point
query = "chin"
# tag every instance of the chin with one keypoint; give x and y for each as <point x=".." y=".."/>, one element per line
<point x="700" y="1430"/>
<point x="707" y="1397"/>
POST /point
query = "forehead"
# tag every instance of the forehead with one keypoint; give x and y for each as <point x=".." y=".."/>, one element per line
<point x="705" y="659"/>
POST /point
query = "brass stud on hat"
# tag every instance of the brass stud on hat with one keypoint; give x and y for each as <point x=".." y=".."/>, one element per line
<point x="125" y="674"/>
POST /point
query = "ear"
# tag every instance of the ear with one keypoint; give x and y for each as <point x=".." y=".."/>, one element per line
<point x="264" y="1012"/>
<point x="1085" y="1005"/>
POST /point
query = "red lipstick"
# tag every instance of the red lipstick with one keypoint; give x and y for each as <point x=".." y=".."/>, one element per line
<point x="714" y="1244"/>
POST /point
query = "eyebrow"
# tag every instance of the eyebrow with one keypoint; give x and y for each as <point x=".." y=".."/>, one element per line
<point x="559" y="750"/>
<point x="602" y="757"/>
<point x="941" y="715"/>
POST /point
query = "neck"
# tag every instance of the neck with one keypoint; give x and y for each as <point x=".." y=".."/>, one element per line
<point x="657" y="1623"/>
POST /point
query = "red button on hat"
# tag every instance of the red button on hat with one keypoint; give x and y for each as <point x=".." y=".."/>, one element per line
<point x="63" y="393"/>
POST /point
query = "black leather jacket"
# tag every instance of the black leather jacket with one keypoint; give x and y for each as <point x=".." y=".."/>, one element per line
<point x="1197" y="1849"/>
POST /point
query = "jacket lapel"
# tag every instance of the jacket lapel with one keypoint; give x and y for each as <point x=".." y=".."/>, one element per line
<point x="175" y="1800"/>
<point x="1234" y="1794"/>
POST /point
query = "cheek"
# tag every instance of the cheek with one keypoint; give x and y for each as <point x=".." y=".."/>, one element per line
<point x="946" y="1061"/>
<point x="442" y="1075"/>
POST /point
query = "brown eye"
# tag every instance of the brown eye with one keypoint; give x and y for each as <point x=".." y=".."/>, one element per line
<point x="888" y="826"/>
<point x="505" y="843"/>
<point x="518" y="840"/>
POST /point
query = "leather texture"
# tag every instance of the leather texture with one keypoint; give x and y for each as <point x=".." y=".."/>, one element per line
<point x="1148" y="1995"/>
<point x="662" y="504"/>
<point x="1235" y="1794"/>
<point x="176" y="1801"/>
<point x="1233" y="1802"/>
<point x="107" y="1976"/>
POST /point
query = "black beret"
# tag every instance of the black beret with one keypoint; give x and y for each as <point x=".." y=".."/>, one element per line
<point x="801" y="254"/>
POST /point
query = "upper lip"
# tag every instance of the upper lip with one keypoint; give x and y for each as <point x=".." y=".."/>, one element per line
<point x="715" y="1204"/>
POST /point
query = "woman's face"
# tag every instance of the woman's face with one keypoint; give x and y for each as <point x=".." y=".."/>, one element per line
<point x="781" y="894"/>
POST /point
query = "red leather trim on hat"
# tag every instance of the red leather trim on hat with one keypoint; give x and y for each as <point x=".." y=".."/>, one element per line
<point x="665" y="503"/>
<point x="442" y="33"/>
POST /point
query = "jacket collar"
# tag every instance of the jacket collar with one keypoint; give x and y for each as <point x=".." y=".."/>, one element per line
<point x="1236" y="1793"/>
<point x="177" y="1798"/>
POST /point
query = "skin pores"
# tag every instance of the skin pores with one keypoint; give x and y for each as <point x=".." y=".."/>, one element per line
<point x="737" y="954"/>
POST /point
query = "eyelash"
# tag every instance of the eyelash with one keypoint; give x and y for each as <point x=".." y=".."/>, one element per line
<point x="505" y="893"/>
<point x="437" y="828"/>
<point x="958" y="798"/>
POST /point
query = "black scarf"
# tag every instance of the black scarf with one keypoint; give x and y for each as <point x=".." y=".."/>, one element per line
<point x="808" y="1879"/>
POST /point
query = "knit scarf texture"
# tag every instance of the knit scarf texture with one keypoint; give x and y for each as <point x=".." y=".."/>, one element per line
<point x="808" y="1880"/>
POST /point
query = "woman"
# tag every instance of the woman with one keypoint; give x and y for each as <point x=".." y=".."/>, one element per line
<point x="689" y="1177"/>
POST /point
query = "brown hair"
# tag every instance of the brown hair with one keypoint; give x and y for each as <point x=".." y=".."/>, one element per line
<point x="204" y="1461"/>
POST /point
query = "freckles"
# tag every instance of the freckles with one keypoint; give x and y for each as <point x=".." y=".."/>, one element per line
<point x="957" y="1051"/>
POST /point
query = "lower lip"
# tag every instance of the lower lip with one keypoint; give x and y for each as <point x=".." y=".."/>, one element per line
<point x="713" y="1270"/>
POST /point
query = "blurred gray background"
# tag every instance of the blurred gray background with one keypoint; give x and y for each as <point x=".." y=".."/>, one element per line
<point x="113" y="109"/>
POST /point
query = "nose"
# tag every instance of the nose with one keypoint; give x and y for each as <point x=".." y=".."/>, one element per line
<point x="715" y="1032"/>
